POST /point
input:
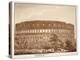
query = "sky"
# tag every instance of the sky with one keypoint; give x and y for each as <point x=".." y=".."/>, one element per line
<point x="44" y="12"/>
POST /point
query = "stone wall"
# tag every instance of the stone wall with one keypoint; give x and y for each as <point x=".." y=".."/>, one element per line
<point x="42" y="35"/>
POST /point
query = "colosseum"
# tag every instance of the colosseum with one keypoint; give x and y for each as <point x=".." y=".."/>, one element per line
<point x="36" y="37"/>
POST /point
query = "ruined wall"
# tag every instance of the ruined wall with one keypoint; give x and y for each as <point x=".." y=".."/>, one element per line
<point x="39" y="34"/>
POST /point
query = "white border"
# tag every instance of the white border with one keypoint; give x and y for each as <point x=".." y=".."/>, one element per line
<point x="12" y="30"/>
<point x="45" y="55"/>
<point x="38" y="55"/>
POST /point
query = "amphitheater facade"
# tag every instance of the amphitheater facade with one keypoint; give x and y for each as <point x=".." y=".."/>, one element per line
<point x="44" y="37"/>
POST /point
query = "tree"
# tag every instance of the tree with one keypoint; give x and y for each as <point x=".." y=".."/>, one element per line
<point x="56" y="43"/>
<point x="69" y="45"/>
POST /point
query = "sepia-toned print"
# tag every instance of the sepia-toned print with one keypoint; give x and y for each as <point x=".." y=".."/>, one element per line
<point x="43" y="28"/>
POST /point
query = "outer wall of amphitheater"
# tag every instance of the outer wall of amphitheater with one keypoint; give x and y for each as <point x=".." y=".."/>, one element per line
<point x="42" y="31"/>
